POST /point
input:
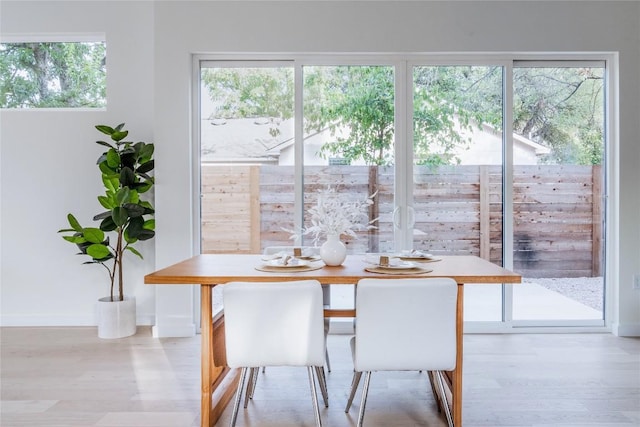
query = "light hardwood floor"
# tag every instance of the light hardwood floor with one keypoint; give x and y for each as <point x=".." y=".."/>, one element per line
<point x="68" y="377"/>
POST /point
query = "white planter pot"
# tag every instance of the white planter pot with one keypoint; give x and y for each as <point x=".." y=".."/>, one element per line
<point x="333" y="252"/>
<point x="116" y="319"/>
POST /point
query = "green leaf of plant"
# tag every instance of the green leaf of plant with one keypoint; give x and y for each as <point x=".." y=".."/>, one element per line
<point x="130" y="240"/>
<point x="102" y="215"/>
<point x="128" y="159"/>
<point x="119" y="135"/>
<point x="98" y="252"/>
<point x="74" y="239"/>
<point x="133" y="250"/>
<point x="105" y="202"/>
<point x="73" y="222"/>
<point x="114" y="182"/>
<point x="113" y="158"/>
<point x="135" y="227"/>
<point x="106" y="144"/>
<point x="146" y="234"/>
<point x="105" y="169"/>
<point x="122" y="196"/>
<point x="146" y="152"/>
<point x="105" y="129"/>
<point x="93" y="235"/>
<point x="127" y="177"/>
<point x="134" y="197"/>
<point x="119" y="216"/>
<point x="107" y="224"/>
<point x="149" y="224"/>
<point x="134" y="210"/>
<point x="146" y="167"/>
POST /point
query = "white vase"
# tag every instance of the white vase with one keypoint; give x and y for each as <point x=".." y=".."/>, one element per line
<point x="116" y="319"/>
<point x="333" y="252"/>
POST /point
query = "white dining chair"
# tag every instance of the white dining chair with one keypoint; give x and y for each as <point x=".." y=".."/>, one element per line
<point x="404" y="325"/>
<point x="326" y="290"/>
<point x="275" y="324"/>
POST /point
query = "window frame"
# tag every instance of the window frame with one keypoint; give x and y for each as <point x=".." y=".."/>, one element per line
<point x="403" y="64"/>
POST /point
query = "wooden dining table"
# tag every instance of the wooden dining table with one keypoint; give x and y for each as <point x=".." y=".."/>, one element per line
<point x="219" y="382"/>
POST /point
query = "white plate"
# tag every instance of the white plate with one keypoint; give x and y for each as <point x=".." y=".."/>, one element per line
<point x="394" y="263"/>
<point x="414" y="255"/>
<point x="397" y="265"/>
<point x="295" y="262"/>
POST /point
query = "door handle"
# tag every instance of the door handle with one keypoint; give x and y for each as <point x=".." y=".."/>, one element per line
<point x="412" y="216"/>
<point x="396" y="217"/>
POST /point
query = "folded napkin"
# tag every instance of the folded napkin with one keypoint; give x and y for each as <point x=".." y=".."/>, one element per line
<point x="288" y="260"/>
<point x="415" y="254"/>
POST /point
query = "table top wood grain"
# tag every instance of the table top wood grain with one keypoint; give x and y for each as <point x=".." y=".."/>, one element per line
<point x="214" y="269"/>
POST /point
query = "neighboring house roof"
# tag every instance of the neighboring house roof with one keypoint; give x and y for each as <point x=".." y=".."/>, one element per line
<point x="249" y="141"/>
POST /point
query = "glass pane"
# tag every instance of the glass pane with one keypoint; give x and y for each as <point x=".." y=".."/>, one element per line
<point x="348" y="149"/>
<point x="558" y="193"/>
<point x="53" y="75"/>
<point x="457" y="194"/>
<point x="246" y="158"/>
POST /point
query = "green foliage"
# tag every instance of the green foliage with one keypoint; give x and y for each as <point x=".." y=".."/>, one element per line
<point x="563" y="109"/>
<point x="125" y="168"/>
<point x="560" y="108"/>
<point x="252" y="92"/>
<point x="52" y="75"/>
<point x="358" y="98"/>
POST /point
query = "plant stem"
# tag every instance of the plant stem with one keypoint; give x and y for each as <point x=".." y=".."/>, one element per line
<point x="119" y="254"/>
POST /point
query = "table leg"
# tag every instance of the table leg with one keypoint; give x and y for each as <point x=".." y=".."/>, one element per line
<point x="218" y="381"/>
<point x="206" y="360"/>
<point x="457" y="373"/>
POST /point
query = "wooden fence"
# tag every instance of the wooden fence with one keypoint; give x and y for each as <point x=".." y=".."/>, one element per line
<point x="458" y="210"/>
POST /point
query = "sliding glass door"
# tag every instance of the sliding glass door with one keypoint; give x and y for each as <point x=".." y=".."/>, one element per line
<point x="456" y="205"/>
<point x="558" y="200"/>
<point x="503" y="160"/>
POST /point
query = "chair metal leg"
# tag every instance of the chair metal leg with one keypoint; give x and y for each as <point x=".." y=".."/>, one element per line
<point x="327" y="326"/>
<point x="251" y="386"/>
<point x="255" y="380"/>
<point x="365" y="391"/>
<point x="322" y="380"/>
<point x="354" y="387"/>
<point x="236" y="405"/>
<point x="314" y="396"/>
<point x="326" y="357"/>
<point x="436" y="396"/>
<point x="447" y="411"/>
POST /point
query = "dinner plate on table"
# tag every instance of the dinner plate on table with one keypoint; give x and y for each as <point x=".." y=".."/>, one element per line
<point x="291" y="263"/>
<point x="416" y="256"/>
<point x="395" y="264"/>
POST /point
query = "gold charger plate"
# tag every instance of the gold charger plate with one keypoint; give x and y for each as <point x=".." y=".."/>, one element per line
<point x="419" y="259"/>
<point x="296" y="269"/>
<point x="397" y="271"/>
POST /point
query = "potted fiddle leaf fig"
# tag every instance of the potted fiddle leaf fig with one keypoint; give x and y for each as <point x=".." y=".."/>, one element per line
<point x="125" y="168"/>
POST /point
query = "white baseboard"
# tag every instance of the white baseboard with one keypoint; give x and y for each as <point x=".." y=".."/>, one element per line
<point x="173" y="329"/>
<point x="342" y="326"/>
<point x="54" y="320"/>
<point x="626" y="329"/>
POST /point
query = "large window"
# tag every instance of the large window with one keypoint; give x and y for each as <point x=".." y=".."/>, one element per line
<point x="53" y="75"/>
<point x="501" y="159"/>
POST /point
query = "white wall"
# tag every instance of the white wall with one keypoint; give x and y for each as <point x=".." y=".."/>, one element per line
<point x="181" y="28"/>
<point x="49" y="169"/>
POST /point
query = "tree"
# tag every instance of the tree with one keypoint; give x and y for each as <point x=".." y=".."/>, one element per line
<point x="251" y="92"/>
<point x="558" y="107"/>
<point x="52" y="75"/>
<point x="561" y="108"/>
<point x="357" y="98"/>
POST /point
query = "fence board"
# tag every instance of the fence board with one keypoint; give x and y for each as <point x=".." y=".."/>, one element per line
<point x="557" y="210"/>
